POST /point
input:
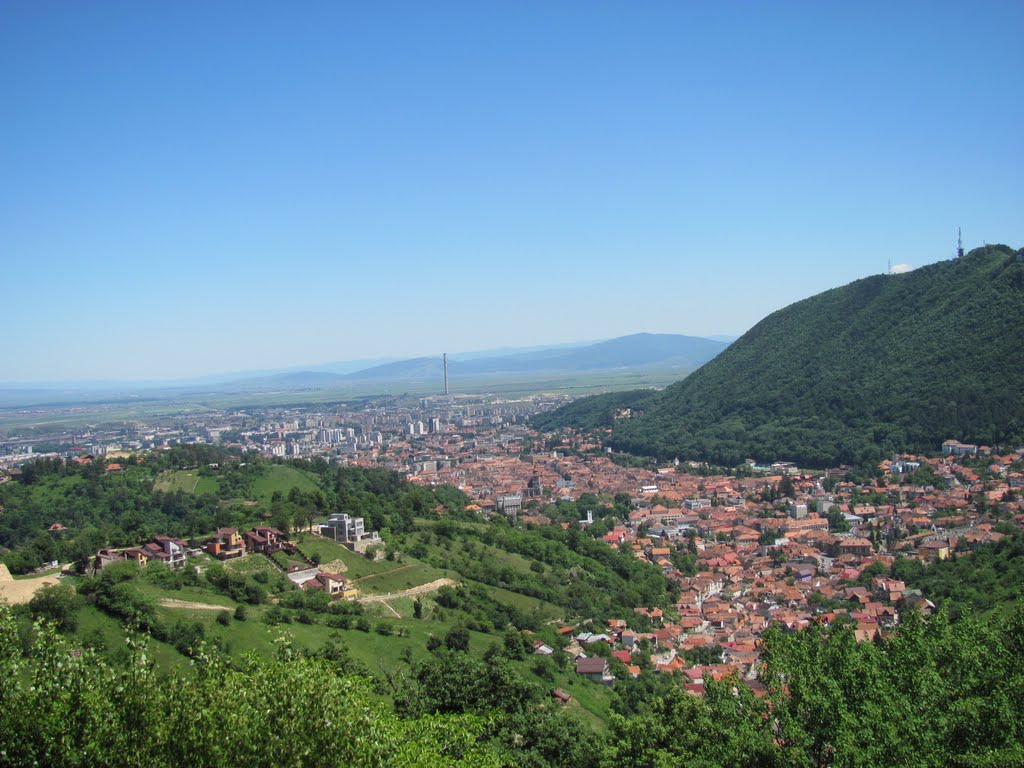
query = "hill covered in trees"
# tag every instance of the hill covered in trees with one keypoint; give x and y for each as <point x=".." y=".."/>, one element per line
<point x="885" y="363"/>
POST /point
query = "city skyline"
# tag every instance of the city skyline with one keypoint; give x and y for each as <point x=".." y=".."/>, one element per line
<point x="194" y="190"/>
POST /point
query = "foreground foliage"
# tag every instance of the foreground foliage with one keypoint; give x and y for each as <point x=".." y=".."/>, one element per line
<point x="61" y="706"/>
<point x="934" y="693"/>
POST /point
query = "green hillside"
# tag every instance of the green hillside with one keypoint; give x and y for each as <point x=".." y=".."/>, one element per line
<point x="885" y="363"/>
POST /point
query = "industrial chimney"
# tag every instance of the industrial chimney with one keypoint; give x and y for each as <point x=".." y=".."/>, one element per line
<point x="445" y="374"/>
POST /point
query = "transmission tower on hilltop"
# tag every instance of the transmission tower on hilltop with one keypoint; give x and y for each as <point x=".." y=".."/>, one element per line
<point x="959" y="244"/>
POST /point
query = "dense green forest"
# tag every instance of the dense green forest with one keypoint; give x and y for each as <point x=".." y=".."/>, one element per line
<point x="934" y="693"/>
<point x="890" y="362"/>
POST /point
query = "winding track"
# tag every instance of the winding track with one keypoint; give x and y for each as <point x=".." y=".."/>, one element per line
<point x="422" y="589"/>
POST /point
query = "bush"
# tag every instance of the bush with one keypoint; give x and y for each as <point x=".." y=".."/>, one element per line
<point x="274" y="616"/>
<point x="457" y="639"/>
<point x="240" y="613"/>
<point x="344" y="621"/>
<point x="57" y="603"/>
<point x="187" y="635"/>
<point x="95" y="639"/>
<point x="224" y="618"/>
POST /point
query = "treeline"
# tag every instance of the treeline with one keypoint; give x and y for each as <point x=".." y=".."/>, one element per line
<point x="122" y="508"/>
<point x="933" y="693"/>
<point x="594" y="412"/>
<point x="384" y="498"/>
<point x="887" y="363"/>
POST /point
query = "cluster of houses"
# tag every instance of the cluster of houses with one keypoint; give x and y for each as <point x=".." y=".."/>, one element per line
<point x="761" y="559"/>
<point x="170" y="551"/>
<point x="225" y="544"/>
<point x="229" y="544"/>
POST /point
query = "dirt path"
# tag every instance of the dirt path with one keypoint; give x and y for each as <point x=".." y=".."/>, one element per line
<point x="422" y="589"/>
<point x="170" y="602"/>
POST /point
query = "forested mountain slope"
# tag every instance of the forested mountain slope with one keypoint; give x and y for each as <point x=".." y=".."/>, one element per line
<point x="888" y="362"/>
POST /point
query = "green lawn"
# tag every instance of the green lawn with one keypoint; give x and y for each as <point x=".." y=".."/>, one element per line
<point x="275" y="478"/>
<point x="371" y="648"/>
<point x="282" y="478"/>
<point x="186" y="481"/>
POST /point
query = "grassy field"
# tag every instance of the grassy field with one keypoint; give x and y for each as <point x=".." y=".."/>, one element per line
<point x="394" y="638"/>
<point x="357" y="566"/>
<point x="186" y="594"/>
<point x="543" y="610"/>
<point x="251" y="564"/>
<point x="404" y="576"/>
<point x="378" y="652"/>
<point x="92" y="623"/>
<point x="283" y="479"/>
<point x="276" y="478"/>
<point x="28" y="576"/>
<point x="186" y="481"/>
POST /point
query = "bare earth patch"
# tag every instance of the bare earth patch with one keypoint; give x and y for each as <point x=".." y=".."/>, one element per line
<point x="335" y="566"/>
<point x="21" y="591"/>
<point x="170" y="602"/>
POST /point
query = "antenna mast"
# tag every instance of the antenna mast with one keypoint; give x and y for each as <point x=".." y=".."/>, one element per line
<point x="959" y="244"/>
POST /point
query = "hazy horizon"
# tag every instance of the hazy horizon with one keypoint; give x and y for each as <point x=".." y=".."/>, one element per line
<point x="355" y="365"/>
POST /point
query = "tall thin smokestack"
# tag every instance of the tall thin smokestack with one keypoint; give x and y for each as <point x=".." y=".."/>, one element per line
<point x="446" y="374"/>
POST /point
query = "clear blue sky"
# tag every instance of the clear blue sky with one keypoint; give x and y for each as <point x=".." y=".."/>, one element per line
<point x="194" y="187"/>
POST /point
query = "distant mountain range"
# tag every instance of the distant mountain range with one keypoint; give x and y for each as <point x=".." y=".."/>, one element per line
<point x="887" y="363"/>
<point x="638" y="352"/>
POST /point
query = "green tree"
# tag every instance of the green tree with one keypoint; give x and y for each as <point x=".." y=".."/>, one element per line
<point x="57" y="603"/>
<point x="457" y="639"/>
